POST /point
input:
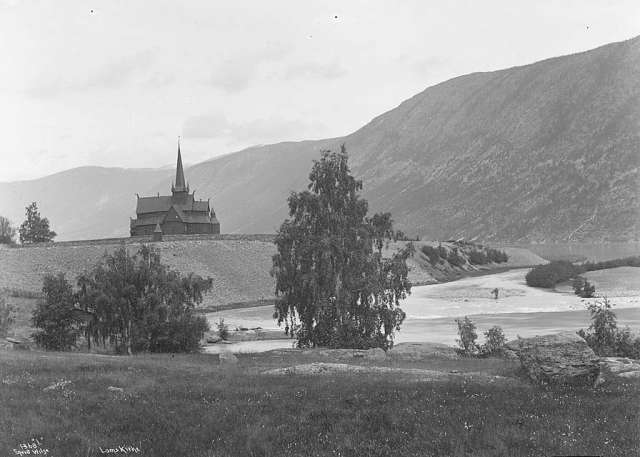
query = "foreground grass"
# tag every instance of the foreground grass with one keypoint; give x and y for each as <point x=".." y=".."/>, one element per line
<point x="189" y="405"/>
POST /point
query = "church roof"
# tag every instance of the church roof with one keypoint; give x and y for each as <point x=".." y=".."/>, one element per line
<point x="162" y="203"/>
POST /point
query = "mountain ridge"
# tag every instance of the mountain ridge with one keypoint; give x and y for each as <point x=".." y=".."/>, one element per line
<point x="543" y="151"/>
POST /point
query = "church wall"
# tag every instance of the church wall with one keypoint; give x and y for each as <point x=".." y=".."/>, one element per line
<point x="173" y="228"/>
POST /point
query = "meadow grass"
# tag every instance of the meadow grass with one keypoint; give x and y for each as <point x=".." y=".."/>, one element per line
<point x="189" y="405"/>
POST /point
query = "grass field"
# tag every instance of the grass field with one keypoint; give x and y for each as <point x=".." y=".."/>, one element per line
<point x="189" y="405"/>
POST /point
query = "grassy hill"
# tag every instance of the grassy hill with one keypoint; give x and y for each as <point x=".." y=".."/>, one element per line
<point x="239" y="268"/>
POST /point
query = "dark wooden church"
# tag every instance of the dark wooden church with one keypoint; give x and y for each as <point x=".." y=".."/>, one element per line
<point x="175" y="214"/>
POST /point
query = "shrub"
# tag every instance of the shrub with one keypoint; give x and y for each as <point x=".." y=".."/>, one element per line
<point x="432" y="254"/>
<point x="549" y="275"/>
<point x="7" y="231"/>
<point x="223" y="329"/>
<point x="468" y="337"/>
<point x="633" y="261"/>
<point x="494" y="343"/>
<point x="454" y="258"/>
<point x="497" y="256"/>
<point x="179" y="335"/>
<point x="604" y="336"/>
<point x="7" y="317"/>
<point x="478" y="257"/>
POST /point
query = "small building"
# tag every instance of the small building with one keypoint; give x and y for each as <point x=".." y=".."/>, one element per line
<point x="176" y="214"/>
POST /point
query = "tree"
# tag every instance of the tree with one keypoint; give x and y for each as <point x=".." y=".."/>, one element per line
<point x="468" y="336"/>
<point x="335" y="289"/>
<point x="54" y="315"/>
<point x="140" y="304"/>
<point x="35" y="229"/>
<point x="494" y="341"/>
<point x="7" y="231"/>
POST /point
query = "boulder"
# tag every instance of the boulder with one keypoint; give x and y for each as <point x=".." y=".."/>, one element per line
<point x="419" y="351"/>
<point x="562" y="358"/>
<point x="621" y="367"/>
<point x="375" y="354"/>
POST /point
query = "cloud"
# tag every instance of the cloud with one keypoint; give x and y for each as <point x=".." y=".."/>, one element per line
<point x="255" y="131"/>
<point x="235" y="73"/>
<point x="206" y="126"/>
<point x="314" y="70"/>
<point x="132" y="69"/>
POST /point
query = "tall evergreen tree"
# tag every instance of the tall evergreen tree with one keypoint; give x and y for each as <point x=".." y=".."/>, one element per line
<point x="35" y="229"/>
<point x="335" y="287"/>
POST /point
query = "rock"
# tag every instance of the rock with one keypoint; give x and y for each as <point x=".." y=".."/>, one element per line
<point x="375" y="354"/>
<point x="562" y="358"/>
<point x="228" y="358"/>
<point x="630" y="374"/>
<point x="419" y="351"/>
<point x="617" y="365"/>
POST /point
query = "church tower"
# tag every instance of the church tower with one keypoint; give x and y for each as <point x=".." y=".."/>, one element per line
<point x="178" y="187"/>
<point x="176" y="214"/>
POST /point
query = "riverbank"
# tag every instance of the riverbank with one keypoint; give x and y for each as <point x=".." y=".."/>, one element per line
<point x="519" y="309"/>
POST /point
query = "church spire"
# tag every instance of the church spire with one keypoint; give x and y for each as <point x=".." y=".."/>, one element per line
<point x="180" y="185"/>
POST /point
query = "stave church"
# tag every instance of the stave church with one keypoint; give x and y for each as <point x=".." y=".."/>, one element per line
<point x="176" y="214"/>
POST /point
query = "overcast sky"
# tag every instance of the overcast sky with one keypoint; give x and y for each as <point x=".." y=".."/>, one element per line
<point x="115" y="82"/>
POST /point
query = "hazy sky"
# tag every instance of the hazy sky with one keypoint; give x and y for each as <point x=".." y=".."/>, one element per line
<point x="114" y="82"/>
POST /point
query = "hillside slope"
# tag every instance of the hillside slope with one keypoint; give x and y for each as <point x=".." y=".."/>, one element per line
<point x="547" y="151"/>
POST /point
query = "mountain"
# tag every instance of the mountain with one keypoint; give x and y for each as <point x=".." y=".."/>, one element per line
<point x="547" y="151"/>
<point x="81" y="203"/>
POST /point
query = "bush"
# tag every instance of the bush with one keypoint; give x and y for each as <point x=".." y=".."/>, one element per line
<point x="494" y="343"/>
<point x="54" y="315"/>
<point x="179" y="335"/>
<point x="432" y="254"/>
<point x="468" y="337"/>
<point x="604" y="336"/>
<point x="497" y="256"/>
<point x="478" y="257"/>
<point x="633" y="261"/>
<point x="583" y="288"/>
<point x="7" y="317"/>
<point x="454" y="258"/>
<point x="549" y="275"/>
<point x="7" y="231"/>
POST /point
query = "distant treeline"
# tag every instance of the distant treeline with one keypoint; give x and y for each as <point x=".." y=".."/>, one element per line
<point x="549" y="275"/>
<point x="476" y="253"/>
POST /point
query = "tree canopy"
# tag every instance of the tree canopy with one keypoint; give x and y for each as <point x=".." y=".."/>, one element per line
<point x="140" y="304"/>
<point x="133" y="302"/>
<point x="335" y="288"/>
<point x="35" y="229"/>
